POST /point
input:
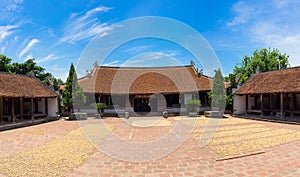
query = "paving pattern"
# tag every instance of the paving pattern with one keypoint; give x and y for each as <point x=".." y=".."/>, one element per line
<point x="188" y="159"/>
<point x="22" y="139"/>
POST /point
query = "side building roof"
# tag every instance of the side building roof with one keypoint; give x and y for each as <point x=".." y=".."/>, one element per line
<point x="145" y="80"/>
<point x="281" y="81"/>
<point x="14" y="85"/>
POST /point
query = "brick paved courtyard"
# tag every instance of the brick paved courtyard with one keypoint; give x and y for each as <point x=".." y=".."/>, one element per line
<point x="152" y="147"/>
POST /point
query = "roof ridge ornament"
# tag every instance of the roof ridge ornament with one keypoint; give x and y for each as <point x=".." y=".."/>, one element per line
<point x="31" y="73"/>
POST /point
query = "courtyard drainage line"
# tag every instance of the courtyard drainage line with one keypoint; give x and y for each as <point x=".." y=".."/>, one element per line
<point x="240" y="156"/>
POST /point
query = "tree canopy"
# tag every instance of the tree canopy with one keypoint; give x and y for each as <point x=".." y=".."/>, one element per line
<point x="262" y="61"/>
<point x="218" y="93"/>
<point x="27" y="68"/>
<point x="73" y="94"/>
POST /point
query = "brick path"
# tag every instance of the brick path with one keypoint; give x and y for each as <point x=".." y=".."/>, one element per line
<point x="17" y="140"/>
<point x="187" y="160"/>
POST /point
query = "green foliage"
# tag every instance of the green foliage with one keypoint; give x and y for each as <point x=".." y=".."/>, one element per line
<point x="193" y="104"/>
<point x="28" y="67"/>
<point x="73" y="94"/>
<point x="4" y="63"/>
<point x="100" y="105"/>
<point x="262" y="60"/>
<point x="218" y="93"/>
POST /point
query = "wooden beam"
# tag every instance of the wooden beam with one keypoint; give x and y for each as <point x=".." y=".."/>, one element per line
<point x="281" y="105"/>
<point x="261" y="103"/>
<point x="13" y="110"/>
<point x="292" y="102"/>
<point x="31" y="108"/>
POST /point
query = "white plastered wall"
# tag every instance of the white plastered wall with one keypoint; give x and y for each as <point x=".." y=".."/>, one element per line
<point x="239" y="104"/>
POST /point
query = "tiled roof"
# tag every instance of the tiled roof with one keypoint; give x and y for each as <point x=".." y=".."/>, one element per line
<point x="12" y="85"/>
<point x="120" y="80"/>
<point x="282" y="81"/>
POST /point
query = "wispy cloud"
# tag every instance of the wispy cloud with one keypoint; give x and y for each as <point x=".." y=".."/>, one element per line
<point x="243" y="13"/>
<point x="270" y="24"/>
<point x="84" y="26"/>
<point x="9" y="8"/>
<point x="112" y="63"/>
<point x="58" y="71"/>
<point x="28" y="47"/>
<point x="6" y="31"/>
<point x="152" y="59"/>
<point x="170" y="53"/>
<point x="136" y="49"/>
<point x="47" y="58"/>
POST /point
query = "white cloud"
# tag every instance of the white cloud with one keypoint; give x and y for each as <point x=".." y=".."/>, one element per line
<point x="84" y="26"/>
<point x="242" y="12"/>
<point x="9" y="8"/>
<point x="58" y="72"/>
<point x="28" y="47"/>
<point x="136" y="49"/>
<point x="112" y="63"/>
<point x="272" y="24"/>
<point x="152" y="59"/>
<point x="47" y="58"/>
<point x="6" y="31"/>
<point x="29" y="56"/>
<point x="170" y="53"/>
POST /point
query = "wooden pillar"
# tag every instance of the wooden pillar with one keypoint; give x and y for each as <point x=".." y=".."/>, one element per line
<point x="21" y="108"/>
<point x="281" y="105"/>
<point x="261" y="104"/>
<point x="246" y="104"/>
<point x="292" y="102"/>
<point x="31" y="108"/>
<point x="13" y="110"/>
<point x="271" y="104"/>
<point x="46" y="106"/>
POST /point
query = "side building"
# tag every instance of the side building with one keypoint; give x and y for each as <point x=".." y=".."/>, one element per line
<point x="270" y="93"/>
<point x="25" y="97"/>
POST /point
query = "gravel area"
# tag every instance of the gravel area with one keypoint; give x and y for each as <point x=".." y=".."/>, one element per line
<point x="239" y="136"/>
<point x="54" y="158"/>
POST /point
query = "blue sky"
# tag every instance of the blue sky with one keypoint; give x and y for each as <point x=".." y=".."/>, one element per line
<point x="57" y="32"/>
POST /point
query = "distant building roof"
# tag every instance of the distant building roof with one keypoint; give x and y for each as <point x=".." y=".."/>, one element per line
<point x="282" y="81"/>
<point x="145" y="80"/>
<point x="12" y="85"/>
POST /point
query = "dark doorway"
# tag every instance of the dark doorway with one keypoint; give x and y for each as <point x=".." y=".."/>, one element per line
<point x="141" y="105"/>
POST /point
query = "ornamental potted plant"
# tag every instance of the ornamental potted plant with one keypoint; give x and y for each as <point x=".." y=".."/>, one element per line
<point x="192" y="106"/>
<point x="100" y="107"/>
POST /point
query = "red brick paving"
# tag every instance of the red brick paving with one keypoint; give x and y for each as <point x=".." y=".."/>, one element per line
<point x="188" y="160"/>
<point x="191" y="160"/>
<point x="17" y="140"/>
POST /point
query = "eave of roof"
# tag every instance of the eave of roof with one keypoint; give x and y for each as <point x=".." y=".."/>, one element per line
<point x="272" y="82"/>
<point x="101" y="80"/>
<point x="16" y="85"/>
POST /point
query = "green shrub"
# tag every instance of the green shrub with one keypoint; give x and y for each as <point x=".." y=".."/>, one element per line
<point x="193" y="104"/>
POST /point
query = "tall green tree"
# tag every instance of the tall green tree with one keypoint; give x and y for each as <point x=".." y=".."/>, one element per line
<point x="262" y="60"/>
<point x="72" y="91"/>
<point x="218" y="93"/>
<point x="4" y="63"/>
